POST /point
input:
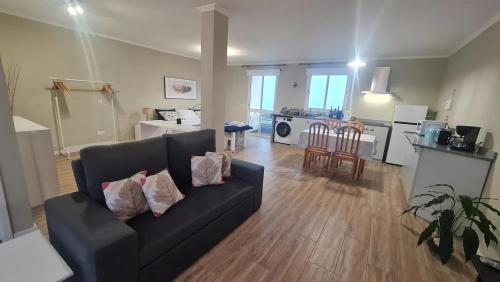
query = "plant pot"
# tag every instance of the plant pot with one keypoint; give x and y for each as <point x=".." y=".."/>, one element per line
<point x="433" y="243"/>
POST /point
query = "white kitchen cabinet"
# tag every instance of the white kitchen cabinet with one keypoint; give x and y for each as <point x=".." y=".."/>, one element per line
<point x="298" y="125"/>
<point x="381" y="133"/>
<point x="431" y="164"/>
<point x="37" y="157"/>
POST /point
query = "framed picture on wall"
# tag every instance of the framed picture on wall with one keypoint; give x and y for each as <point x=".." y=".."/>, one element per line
<point x="176" y="88"/>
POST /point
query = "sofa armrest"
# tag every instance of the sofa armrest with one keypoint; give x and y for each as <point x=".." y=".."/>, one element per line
<point x="96" y="245"/>
<point x="250" y="173"/>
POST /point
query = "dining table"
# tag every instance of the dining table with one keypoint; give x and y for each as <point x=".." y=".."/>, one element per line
<point x="367" y="143"/>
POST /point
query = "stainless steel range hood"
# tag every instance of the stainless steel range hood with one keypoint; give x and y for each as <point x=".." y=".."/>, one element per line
<point x="380" y="81"/>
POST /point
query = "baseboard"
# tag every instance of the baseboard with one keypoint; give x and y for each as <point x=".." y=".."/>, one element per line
<point x="77" y="148"/>
<point x="25" y="231"/>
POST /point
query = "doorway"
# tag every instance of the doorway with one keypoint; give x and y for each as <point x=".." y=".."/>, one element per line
<point x="262" y="92"/>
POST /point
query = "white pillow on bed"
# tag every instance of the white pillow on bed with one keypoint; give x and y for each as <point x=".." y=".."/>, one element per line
<point x="170" y="115"/>
<point x="188" y="114"/>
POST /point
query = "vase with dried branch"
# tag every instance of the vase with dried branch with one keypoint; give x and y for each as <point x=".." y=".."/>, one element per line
<point x="12" y="72"/>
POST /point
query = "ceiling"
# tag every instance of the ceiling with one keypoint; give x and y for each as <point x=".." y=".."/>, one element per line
<point x="282" y="31"/>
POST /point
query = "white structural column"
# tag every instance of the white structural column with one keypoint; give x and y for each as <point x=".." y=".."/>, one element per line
<point x="214" y="31"/>
<point x="15" y="194"/>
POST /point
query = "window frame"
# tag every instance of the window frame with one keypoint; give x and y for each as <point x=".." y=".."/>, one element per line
<point x="262" y="73"/>
<point x="328" y="72"/>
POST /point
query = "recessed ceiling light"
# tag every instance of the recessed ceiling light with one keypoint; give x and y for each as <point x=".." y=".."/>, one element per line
<point x="78" y="9"/>
<point x="75" y="10"/>
<point x="72" y="10"/>
<point x="231" y="51"/>
<point x="357" y="63"/>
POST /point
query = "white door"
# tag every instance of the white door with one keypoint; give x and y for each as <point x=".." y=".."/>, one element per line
<point x="261" y="103"/>
<point x="398" y="145"/>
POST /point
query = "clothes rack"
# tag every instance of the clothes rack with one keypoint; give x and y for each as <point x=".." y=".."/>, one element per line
<point x="106" y="88"/>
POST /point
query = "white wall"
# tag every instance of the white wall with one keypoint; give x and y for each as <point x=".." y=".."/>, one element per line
<point x="474" y="72"/>
<point x="11" y="170"/>
<point x="413" y="81"/>
<point x="43" y="51"/>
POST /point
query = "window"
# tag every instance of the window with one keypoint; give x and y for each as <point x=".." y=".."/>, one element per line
<point x="327" y="88"/>
<point x="261" y="100"/>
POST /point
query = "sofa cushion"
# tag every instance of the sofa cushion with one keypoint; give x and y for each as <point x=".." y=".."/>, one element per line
<point x="181" y="147"/>
<point x="119" y="161"/>
<point x="125" y="198"/>
<point x="206" y="170"/>
<point x="201" y="206"/>
<point x="161" y="192"/>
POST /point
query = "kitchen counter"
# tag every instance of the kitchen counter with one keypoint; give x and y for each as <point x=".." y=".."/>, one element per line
<point x="428" y="164"/>
<point x="320" y="117"/>
<point x="374" y="122"/>
<point x="419" y="141"/>
<point x="371" y="122"/>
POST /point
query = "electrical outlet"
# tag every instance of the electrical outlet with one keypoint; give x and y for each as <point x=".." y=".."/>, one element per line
<point x="101" y="132"/>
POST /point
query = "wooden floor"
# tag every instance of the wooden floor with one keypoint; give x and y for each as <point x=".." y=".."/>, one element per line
<point x="317" y="227"/>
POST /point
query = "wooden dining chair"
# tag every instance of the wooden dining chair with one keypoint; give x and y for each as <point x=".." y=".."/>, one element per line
<point x="358" y="124"/>
<point x="317" y="145"/>
<point x="334" y="123"/>
<point x="347" y="147"/>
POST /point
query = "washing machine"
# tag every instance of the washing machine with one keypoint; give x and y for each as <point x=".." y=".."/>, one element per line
<point x="283" y="130"/>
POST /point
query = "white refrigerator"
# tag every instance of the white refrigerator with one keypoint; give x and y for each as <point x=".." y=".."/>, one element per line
<point x="405" y="119"/>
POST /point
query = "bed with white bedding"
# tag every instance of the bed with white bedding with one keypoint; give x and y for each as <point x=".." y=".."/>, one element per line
<point x="190" y="121"/>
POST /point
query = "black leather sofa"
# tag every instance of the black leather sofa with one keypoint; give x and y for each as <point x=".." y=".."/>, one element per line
<point x="98" y="247"/>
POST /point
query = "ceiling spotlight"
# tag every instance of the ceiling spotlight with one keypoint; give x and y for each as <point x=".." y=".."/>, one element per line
<point x="72" y="11"/>
<point x="78" y="9"/>
<point x="75" y="9"/>
<point x="357" y="63"/>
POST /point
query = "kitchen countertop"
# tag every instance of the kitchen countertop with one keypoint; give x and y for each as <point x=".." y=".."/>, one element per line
<point x="374" y="122"/>
<point x="296" y="116"/>
<point x="419" y="141"/>
<point x="371" y="122"/>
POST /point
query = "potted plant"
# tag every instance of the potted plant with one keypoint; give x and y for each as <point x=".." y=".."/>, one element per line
<point x="459" y="219"/>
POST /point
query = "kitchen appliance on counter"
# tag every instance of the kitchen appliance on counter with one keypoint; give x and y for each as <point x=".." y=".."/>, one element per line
<point x="292" y="111"/>
<point x="466" y="139"/>
<point x="283" y="129"/>
<point x="405" y="118"/>
<point x="422" y="125"/>
<point x="443" y="136"/>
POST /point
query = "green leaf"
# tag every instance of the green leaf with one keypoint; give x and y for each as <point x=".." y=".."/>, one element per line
<point x="427" y="232"/>
<point x="445" y="248"/>
<point x="488" y="235"/>
<point x="483" y="218"/>
<point x="409" y="209"/>
<point x="442" y="185"/>
<point x="491" y="208"/>
<point x="466" y="202"/>
<point x="470" y="242"/>
<point x="423" y="195"/>
<point x="437" y="200"/>
<point x="438" y="192"/>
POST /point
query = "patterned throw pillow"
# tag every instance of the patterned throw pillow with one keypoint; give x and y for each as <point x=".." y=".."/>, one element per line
<point x="161" y="192"/>
<point x="125" y="198"/>
<point x="171" y="116"/>
<point x="226" y="162"/>
<point x="206" y="170"/>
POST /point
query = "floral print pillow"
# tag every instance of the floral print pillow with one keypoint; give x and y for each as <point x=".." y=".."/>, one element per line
<point x="161" y="192"/>
<point x="226" y="162"/>
<point x="125" y="198"/>
<point x="206" y="170"/>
